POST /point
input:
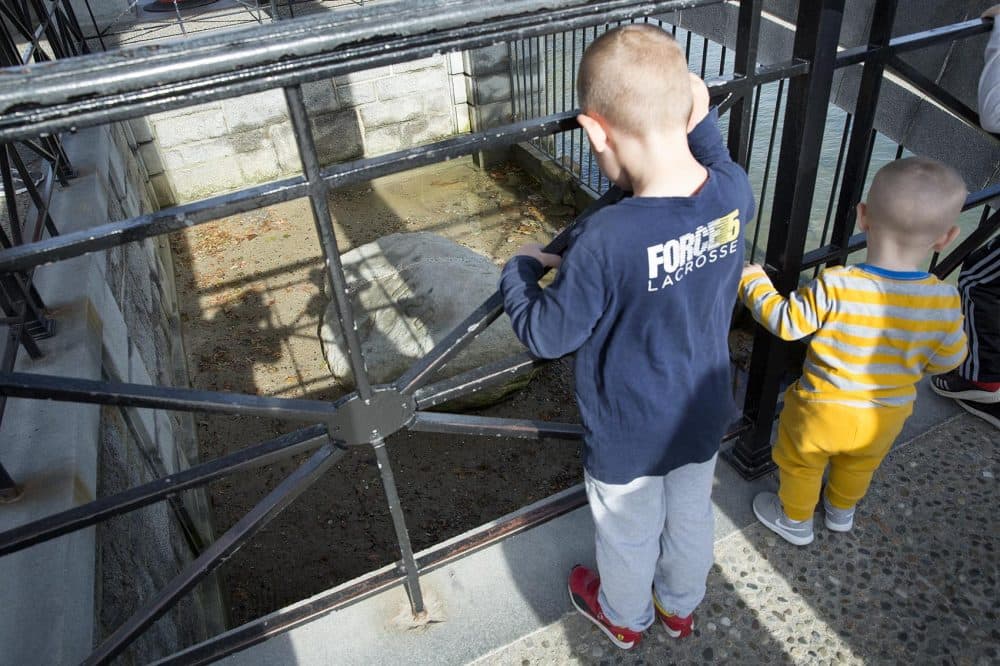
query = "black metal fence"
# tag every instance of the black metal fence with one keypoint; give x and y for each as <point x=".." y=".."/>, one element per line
<point x="30" y="32"/>
<point x="99" y="88"/>
<point x="543" y="77"/>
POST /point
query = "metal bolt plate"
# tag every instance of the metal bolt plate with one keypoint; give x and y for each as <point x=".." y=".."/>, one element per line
<point x="357" y="422"/>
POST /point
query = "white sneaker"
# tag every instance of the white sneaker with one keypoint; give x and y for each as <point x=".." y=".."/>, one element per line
<point x="767" y="507"/>
<point x="837" y="520"/>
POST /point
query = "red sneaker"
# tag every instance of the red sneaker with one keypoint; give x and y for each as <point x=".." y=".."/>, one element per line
<point x="583" y="587"/>
<point x="676" y="626"/>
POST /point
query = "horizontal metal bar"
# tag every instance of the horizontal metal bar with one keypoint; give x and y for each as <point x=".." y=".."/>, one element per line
<point x="261" y="629"/>
<point x="70" y="389"/>
<point x="973" y="241"/>
<point x="821" y="255"/>
<point x="101" y="509"/>
<point x="726" y="91"/>
<point x="488" y="426"/>
<point x="981" y="197"/>
<point x="173" y="219"/>
<point x="475" y="380"/>
<point x="859" y="241"/>
<point x="917" y="40"/>
<point x="216" y="554"/>
<point x="477" y="322"/>
<point x="97" y="89"/>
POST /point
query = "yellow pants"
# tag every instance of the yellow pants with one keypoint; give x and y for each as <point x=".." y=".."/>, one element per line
<point x="852" y="440"/>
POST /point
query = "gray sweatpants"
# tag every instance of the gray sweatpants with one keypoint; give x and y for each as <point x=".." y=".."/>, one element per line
<point x="654" y="530"/>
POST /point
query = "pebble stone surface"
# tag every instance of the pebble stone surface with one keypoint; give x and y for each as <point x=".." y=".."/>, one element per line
<point x="915" y="581"/>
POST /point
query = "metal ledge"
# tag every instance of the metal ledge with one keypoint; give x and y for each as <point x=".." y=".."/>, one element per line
<point x="96" y="89"/>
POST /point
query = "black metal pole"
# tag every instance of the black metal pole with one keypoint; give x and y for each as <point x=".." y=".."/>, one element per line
<point x="9" y="490"/>
<point x="489" y="426"/>
<point x="399" y="525"/>
<point x="744" y="65"/>
<point x="216" y="554"/>
<point x="318" y="192"/>
<point x="817" y="31"/>
<point x="475" y="380"/>
<point x="50" y="527"/>
<point x="855" y="165"/>
<point x="71" y="389"/>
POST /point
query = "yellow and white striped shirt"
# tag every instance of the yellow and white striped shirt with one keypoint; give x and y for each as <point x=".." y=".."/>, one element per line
<point x="875" y="332"/>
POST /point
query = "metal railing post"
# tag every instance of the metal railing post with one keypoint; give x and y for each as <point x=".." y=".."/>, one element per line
<point x="859" y="148"/>
<point x="817" y="31"/>
<point x="399" y="525"/>
<point x="744" y="65"/>
<point x="318" y="190"/>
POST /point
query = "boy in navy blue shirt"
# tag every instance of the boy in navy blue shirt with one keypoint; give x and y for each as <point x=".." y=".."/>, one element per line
<point x="644" y="296"/>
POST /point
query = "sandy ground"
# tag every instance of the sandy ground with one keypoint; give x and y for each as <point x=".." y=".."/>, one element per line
<point x="252" y="297"/>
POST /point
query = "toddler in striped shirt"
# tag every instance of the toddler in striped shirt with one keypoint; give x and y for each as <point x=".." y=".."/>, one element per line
<point x="876" y="329"/>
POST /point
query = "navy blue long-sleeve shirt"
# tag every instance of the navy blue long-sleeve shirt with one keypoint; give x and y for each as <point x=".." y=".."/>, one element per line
<point x="644" y="297"/>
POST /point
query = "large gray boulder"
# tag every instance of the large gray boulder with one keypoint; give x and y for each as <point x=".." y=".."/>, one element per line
<point x="408" y="291"/>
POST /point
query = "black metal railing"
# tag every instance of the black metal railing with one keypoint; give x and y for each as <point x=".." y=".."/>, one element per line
<point x="106" y="87"/>
<point x="97" y="89"/>
<point x="31" y="31"/>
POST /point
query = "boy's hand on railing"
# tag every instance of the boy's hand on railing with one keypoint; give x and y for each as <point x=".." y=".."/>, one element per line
<point x="544" y="258"/>
<point x="753" y="269"/>
<point x="992" y="12"/>
<point x="699" y="101"/>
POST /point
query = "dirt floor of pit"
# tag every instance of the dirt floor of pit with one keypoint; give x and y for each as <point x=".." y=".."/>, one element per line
<point x="251" y="289"/>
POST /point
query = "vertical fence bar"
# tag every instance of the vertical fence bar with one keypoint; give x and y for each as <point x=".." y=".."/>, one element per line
<point x="744" y="64"/>
<point x="817" y="31"/>
<point x="837" y="172"/>
<point x="9" y="490"/>
<point x="862" y="134"/>
<point x="318" y="191"/>
<point x="767" y="165"/>
<point x="399" y="524"/>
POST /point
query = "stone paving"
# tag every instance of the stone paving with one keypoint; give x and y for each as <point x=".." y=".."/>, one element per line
<point x="914" y="582"/>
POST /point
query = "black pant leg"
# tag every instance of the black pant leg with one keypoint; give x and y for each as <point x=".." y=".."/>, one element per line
<point x="979" y="284"/>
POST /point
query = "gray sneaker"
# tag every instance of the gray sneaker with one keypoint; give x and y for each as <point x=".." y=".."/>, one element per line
<point x="837" y="520"/>
<point x="767" y="508"/>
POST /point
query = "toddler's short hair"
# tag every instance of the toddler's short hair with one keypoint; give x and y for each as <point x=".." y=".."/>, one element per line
<point x="917" y="197"/>
<point x="636" y="78"/>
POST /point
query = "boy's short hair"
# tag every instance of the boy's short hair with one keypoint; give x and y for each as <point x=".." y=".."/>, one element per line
<point x="636" y="78"/>
<point x="916" y="196"/>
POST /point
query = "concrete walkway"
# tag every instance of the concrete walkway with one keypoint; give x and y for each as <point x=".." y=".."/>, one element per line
<point x="915" y="581"/>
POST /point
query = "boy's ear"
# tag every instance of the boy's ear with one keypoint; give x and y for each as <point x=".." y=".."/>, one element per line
<point x="862" y="216"/>
<point x="595" y="132"/>
<point x="946" y="238"/>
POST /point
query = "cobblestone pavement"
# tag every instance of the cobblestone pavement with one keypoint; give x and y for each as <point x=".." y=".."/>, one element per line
<point x="914" y="582"/>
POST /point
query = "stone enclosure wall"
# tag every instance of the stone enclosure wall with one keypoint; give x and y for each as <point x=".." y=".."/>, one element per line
<point x="116" y="319"/>
<point x="206" y="149"/>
